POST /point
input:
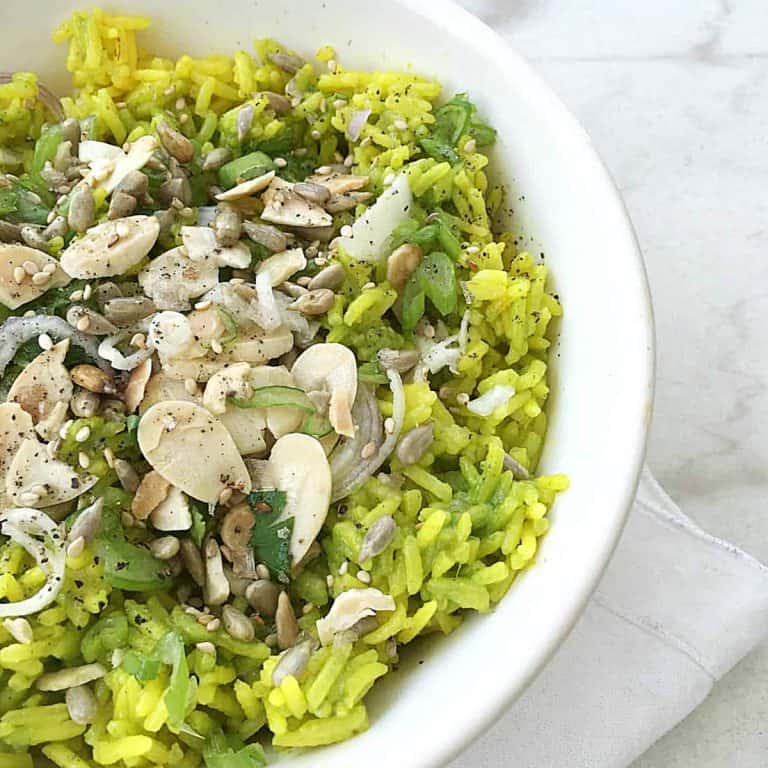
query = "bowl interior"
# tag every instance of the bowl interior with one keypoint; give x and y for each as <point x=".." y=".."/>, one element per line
<point x="565" y="204"/>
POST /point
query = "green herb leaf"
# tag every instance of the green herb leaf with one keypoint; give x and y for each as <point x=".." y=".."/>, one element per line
<point x="170" y="650"/>
<point x="143" y="668"/>
<point x="126" y="565"/>
<point x="270" y="536"/>
<point x="230" y="324"/>
<point x="228" y="751"/>
<point x="278" y="396"/>
<point x="101" y="638"/>
<point x="371" y="373"/>
<point x="435" y="279"/>
<point x="198" y="523"/>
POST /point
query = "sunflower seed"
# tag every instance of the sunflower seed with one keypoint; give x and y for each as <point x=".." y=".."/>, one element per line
<point x="288" y="62"/>
<point x="134" y="183"/>
<point x="268" y="236"/>
<point x="227" y="225"/>
<point x="293" y="662"/>
<point x="81" y="704"/>
<point x="216" y="158"/>
<point x="82" y="209"/>
<point x="316" y="302"/>
<point x="315" y="193"/>
<point x="176" y="144"/>
<point x="121" y="205"/>
<point x="285" y="622"/>
<point x="193" y="561"/>
<point x="236" y="624"/>
<point x="415" y="443"/>
<point x="377" y="538"/>
<point x="262" y="596"/>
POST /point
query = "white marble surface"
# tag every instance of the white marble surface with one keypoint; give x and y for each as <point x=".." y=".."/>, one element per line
<point x="675" y="96"/>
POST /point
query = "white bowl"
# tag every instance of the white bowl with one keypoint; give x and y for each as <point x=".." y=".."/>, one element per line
<point x="424" y="714"/>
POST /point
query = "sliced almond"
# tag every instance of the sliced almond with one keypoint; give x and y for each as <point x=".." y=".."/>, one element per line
<point x="283" y="206"/>
<point x="173" y="512"/>
<point x="192" y="450"/>
<point x="43" y="383"/>
<point x="201" y="246"/>
<point x="13" y="293"/>
<point x="247" y="188"/>
<point x="137" y="384"/>
<point x="173" y="279"/>
<point x="111" y="248"/>
<point x="151" y="492"/>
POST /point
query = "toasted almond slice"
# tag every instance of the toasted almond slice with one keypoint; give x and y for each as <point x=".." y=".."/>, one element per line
<point x="247" y="188"/>
<point x="192" y="450"/>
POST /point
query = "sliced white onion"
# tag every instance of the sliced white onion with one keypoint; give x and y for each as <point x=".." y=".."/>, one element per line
<point x="16" y="331"/>
<point x="23" y="526"/>
<point x="205" y="215"/>
<point x="267" y="311"/>
<point x="348" y="469"/>
<point x="120" y="362"/>
<point x="357" y="121"/>
<point x="494" y="398"/>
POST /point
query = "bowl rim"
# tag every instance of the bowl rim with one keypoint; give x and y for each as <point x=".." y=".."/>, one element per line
<point x="453" y="18"/>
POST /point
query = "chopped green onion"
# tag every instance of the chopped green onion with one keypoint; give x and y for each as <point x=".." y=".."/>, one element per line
<point x="288" y="397"/>
<point x="244" y="168"/>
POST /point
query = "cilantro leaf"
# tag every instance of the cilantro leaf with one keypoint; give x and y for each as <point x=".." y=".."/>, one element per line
<point x="198" y="523"/>
<point x="228" y="751"/>
<point x="270" y="536"/>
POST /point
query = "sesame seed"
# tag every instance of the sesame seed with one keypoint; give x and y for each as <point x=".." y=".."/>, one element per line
<point x="339" y="103"/>
<point x="30" y="268"/>
<point x="40" y="278"/>
<point x="308" y="608"/>
<point x="206" y="647"/>
<point x="400" y="125"/>
<point x="280" y="162"/>
<point x="389" y="425"/>
<point x="181" y="103"/>
<point x="470" y="146"/>
<point x="64" y="429"/>
<point x="76" y="296"/>
<point x="109" y="457"/>
<point x="323" y="170"/>
<point x="388" y="179"/>
<point x="19" y="275"/>
<point x="191" y="386"/>
<point x="346" y="231"/>
<point x="44" y="341"/>
<point x="225" y="496"/>
<point x="462" y="398"/>
<point x="29" y="499"/>
<point x="213" y="625"/>
<point x="83" y="323"/>
<point x="203" y="304"/>
<point x="216" y="346"/>
<point x="332" y="65"/>
<point x="343" y="568"/>
<point x="82" y="434"/>
<point x="49" y="269"/>
<point x="29" y="313"/>
<point x="87" y="291"/>
<point x="262" y="571"/>
<point x="365" y="141"/>
<point x="315" y="134"/>
<point x="368" y="286"/>
<point x="472" y="249"/>
<point x="83" y="460"/>
<point x="183" y="119"/>
<point x="329" y="580"/>
<point x="50" y="217"/>
<point x="368" y="450"/>
<point x="76" y="548"/>
<point x="122" y="229"/>
<point x="364" y="576"/>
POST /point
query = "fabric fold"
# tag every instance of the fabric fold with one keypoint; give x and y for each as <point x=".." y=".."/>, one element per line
<point x="675" y="610"/>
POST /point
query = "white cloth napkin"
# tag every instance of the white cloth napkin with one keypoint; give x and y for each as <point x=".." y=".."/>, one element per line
<point x="675" y="610"/>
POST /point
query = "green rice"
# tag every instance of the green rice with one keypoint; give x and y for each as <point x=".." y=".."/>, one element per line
<point x="466" y="527"/>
